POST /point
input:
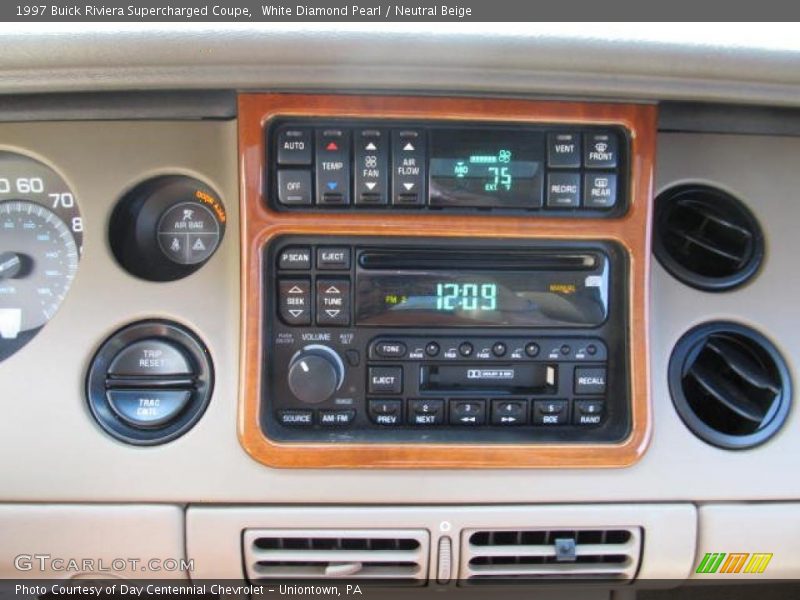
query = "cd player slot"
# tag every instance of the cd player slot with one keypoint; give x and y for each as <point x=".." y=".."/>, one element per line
<point x="444" y="259"/>
<point x="497" y="379"/>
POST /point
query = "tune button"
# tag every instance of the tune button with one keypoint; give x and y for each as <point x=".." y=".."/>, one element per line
<point x="532" y="349"/>
<point x="466" y="349"/>
<point x="499" y="349"/>
<point x="432" y="349"/>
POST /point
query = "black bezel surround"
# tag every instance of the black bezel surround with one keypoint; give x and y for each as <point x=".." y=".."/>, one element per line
<point x="685" y="352"/>
<point x="202" y="384"/>
<point x="283" y="341"/>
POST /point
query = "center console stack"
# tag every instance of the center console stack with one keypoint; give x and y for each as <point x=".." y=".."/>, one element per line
<point x="444" y="282"/>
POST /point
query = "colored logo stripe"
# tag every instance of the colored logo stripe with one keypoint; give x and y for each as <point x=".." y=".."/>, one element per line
<point x="734" y="562"/>
<point x="711" y="562"/>
<point x="758" y="563"/>
<point x="714" y="562"/>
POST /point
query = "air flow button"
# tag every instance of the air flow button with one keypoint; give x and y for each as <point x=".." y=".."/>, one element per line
<point x="408" y="168"/>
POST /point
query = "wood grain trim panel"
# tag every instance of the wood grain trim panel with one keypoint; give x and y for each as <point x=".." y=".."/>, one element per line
<point x="260" y="225"/>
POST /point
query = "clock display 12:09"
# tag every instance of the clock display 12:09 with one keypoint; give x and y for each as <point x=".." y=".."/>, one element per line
<point x="478" y="296"/>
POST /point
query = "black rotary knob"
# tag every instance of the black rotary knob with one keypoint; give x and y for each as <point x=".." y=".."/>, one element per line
<point x="315" y="373"/>
<point x="167" y="227"/>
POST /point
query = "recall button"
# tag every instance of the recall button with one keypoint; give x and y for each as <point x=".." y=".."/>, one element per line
<point x="148" y="408"/>
<point x="590" y="380"/>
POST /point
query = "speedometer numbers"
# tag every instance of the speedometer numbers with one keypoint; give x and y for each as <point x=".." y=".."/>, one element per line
<point x="41" y="236"/>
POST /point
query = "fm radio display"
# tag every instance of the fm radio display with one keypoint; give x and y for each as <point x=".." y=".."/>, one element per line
<point x="486" y="167"/>
<point x="474" y="298"/>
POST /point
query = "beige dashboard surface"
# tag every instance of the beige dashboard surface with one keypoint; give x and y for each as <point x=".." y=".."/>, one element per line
<point x="54" y="451"/>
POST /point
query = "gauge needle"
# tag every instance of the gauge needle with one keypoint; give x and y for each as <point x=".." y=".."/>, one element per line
<point x="10" y="264"/>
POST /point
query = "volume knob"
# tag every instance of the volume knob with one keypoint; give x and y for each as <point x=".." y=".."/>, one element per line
<point x="315" y="373"/>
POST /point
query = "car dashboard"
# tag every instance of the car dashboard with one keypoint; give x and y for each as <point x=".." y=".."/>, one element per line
<point x="451" y="307"/>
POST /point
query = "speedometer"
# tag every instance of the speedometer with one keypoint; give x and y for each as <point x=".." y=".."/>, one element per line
<point x="41" y="236"/>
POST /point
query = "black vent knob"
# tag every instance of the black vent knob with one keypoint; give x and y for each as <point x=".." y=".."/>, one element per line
<point x="729" y="384"/>
<point x="706" y="238"/>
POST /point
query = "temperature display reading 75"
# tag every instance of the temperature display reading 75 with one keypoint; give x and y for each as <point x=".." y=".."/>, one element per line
<point x="486" y="167"/>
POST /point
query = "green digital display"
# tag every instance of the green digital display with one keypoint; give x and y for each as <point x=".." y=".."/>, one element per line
<point x="466" y="296"/>
<point x="486" y="167"/>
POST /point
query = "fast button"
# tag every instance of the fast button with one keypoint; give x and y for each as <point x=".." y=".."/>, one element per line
<point x="509" y="412"/>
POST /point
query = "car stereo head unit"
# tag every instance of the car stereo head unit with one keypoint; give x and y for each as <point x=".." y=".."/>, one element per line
<point x="415" y="340"/>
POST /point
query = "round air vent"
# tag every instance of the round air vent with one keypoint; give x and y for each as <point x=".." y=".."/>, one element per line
<point x="706" y="238"/>
<point x="729" y="385"/>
